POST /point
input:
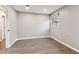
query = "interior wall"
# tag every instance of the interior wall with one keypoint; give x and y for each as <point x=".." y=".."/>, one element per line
<point x="11" y="25"/>
<point x="32" y="25"/>
<point x="68" y="29"/>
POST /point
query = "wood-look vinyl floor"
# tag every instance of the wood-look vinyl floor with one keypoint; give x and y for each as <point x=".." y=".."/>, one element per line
<point x="37" y="46"/>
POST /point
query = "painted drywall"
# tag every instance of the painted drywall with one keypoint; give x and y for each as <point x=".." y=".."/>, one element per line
<point x="68" y="29"/>
<point x="11" y="26"/>
<point x="32" y="25"/>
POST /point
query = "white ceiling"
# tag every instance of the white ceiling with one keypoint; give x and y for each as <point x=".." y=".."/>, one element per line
<point x="37" y="8"/>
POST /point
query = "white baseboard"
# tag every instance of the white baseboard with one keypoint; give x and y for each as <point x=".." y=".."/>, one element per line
<point x="45" y="37"/>
<point x="33" y="37"/>
<point x="64" y="44"/>
<point x="25" y="38"/>
<point x="12" y="43"/>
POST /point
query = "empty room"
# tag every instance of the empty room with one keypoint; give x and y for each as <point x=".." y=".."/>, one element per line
<point x="39" y="29"/>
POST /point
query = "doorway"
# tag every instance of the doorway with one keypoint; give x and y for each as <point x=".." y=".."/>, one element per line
<point x="2" y="30"/>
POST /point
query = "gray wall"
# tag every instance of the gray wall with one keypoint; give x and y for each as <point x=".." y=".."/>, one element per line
<point x="32" y="25"/>
<point x="68" y="29"/>
<point x="11" y="24"/>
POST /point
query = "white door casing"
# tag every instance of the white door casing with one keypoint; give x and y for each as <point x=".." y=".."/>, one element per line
<point x="4" y="10"/>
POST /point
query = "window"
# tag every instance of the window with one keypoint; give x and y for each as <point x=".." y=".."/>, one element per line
<point x="55" y="20"/>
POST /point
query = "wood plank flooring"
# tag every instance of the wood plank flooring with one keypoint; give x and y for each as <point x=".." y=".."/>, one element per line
<point x="38" y="46"/>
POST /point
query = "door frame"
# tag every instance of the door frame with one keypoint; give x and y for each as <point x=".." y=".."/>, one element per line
<point x="5" y="10"/>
